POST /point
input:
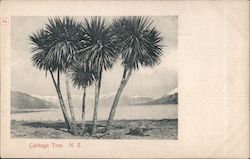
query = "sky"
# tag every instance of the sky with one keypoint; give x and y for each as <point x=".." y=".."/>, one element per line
<point x="153" y="82"/>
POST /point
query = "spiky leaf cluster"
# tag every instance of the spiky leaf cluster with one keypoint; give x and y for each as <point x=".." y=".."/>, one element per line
<point x="56" y="44"/>
<point x="138" y="42"/>
<point x="99" y="48"/>
<point x="81" y="75"/>
<point x="64" y="35"/>
<point x="41" y="47"/>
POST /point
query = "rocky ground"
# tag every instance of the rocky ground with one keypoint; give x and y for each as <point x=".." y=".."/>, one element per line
<point x="122" y="129"/>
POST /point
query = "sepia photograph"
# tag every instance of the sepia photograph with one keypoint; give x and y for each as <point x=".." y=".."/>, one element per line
<point x="95" y="77"/>
<point x="124" y="79"/>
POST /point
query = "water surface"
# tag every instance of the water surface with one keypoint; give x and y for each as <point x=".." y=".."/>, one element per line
<point x="122" y="112"/>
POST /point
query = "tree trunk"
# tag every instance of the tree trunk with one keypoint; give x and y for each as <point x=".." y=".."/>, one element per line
<point x="97" y="94"/>
<point x="61" y="101"/>
<point x="123" y="83"/>
<point x="71" y="106"/>
<point x="58" y="78"/>
<point x="83" y="110"/>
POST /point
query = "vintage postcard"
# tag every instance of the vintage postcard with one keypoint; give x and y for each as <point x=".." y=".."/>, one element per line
<point x="124" y="79"/>
<point x="85" y="65"/>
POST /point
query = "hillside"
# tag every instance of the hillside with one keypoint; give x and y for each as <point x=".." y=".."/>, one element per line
<point x="170" y="98"/>
<point x="107" y="99"/>
<point x="21" y="101"/>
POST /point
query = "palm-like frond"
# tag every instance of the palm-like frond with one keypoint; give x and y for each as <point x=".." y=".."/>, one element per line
<point x="98" y="48"/>
<point x="65" y="37"/>
<point x="41" y="46"/>
<point x="138" y="42"/>
<point x="81" y="75"/>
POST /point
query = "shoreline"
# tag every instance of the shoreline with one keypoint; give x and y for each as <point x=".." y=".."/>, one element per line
<point x="157" y="129"/>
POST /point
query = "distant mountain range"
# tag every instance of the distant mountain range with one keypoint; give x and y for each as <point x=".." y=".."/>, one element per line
<point x="167" y="99"/>
<point x="105" y="100"/>
<point x="124" y="100"/>
<point x="21" y="100"/>
<point x="170" y="98"/>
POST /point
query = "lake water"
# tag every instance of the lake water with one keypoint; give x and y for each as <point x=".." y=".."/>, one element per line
<point x="122" y="112"/>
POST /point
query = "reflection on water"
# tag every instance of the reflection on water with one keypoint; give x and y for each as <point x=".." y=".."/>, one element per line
<point x="122" y="112"/>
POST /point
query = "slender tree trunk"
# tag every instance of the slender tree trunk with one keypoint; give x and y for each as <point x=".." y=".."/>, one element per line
<point x="71" y="105"/>
<point x="123" y="83"/>
<point x="83" y="110"/>
<point x="58" y="78"/>
<point x="97" y="95"/>
<point x="61" y="101"/>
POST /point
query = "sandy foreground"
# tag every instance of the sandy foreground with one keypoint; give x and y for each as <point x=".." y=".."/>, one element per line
<point x="155" y="129"/>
